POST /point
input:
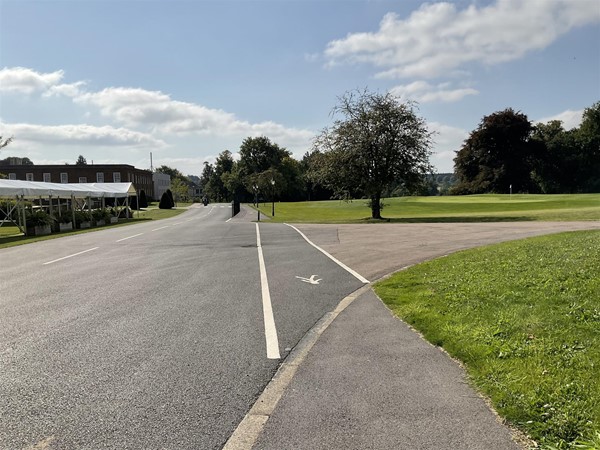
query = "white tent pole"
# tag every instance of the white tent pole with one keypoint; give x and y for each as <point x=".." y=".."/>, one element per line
<point x="24" y="223"/>
<point x="73" y="209"/>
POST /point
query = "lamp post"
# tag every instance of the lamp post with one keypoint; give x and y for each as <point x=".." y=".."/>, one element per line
<point x="255" y="187"/>
<point x="273" y="197"/>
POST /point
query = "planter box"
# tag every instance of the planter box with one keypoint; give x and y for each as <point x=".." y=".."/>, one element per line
<point x="114" y="219"/>
<point x="83" y="225"/>
<point x="100" y="223"/>
<point x="39" y="230"/>
<point x="65" y="226"/>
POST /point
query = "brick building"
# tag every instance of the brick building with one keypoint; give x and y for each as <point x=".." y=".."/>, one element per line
<point x="88" y="173"/>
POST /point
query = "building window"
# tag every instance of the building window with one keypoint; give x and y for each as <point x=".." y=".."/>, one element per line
<point x="116" y="177"/>
<point x="64" y="177"/>
<point x="83" y="179"/>
<point x="29" y="176"/>
<point x="99" y="177"/>
<point x="12" y="176"/>
<point x="47" y="178"/>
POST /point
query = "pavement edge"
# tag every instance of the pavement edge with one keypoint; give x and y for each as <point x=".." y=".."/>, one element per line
<point x="246" y="434"/>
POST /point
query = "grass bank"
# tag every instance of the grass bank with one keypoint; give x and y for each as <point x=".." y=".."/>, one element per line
<point x="464" y="208"/>
<point x="524" y="318"/>
<point x="11" y="236"/>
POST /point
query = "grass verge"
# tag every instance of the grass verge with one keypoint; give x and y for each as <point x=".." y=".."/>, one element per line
<point x="10" y="236"/>
<point x="464" y="208"/>
<point x="524" y="318"/>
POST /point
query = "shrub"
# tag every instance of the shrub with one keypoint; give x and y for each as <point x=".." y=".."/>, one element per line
<point x="165" y="201"/>
<point x="38" y="218"/>
<point x="143" y="200"/>
<point x="170" y="194"/>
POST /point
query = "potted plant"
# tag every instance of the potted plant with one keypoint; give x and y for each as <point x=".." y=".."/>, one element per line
<point x="113" y="214"/>
<point x="65" y="221"/>
<point x="99" y="217"/>
<point x="38" y="223"/>
<point x="82" y="219"/>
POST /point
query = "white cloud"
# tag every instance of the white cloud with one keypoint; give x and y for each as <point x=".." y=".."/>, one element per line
<point x="26" y="81"/>
<point x="80" y="134"/>
<point x="149" y="112"/>
<point x="438" y="38"/>
<point x="447" y="141"/>
<point x="424" y="92"/>
<point x="570" y="119"/>
<point x="154" y="109"/>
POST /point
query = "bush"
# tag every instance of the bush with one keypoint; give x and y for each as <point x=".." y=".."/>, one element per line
<point x="165" y="201"/>
<point x="65" y="216"/>
<point x="170" y="194"/>
<point x="81" y="216"/>
<point x="38" y="218"/>
<point x="143" y="200"/>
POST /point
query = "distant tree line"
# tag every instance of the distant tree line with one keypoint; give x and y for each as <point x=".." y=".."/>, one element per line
<point x="506" y="152"/>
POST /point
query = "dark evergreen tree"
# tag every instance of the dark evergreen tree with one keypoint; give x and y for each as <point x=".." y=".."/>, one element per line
<point x="166" y="202"/>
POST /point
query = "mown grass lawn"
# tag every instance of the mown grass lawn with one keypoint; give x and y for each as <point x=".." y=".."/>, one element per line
<point x="524" y="318"/>
<point x="464" y="208"/>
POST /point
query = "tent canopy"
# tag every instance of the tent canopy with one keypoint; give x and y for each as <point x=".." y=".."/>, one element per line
<point x="36" y="189"/>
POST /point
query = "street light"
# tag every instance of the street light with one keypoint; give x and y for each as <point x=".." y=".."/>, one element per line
<point x="273" y="197"/>
<point x="255" y="187"/>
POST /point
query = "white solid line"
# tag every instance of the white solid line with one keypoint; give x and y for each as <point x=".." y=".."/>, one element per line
<point x="161" y="228"/>
<point x="339" y="263"/>
<point x="270" y="330"/>
<point x="129" y="237"/>
<point x="70" y="256"/>
<point x="228" y="219"/>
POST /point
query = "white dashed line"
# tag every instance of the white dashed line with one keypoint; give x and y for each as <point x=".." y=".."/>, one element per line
<point x="129" y="237"/>
<point x="70" y="256"/>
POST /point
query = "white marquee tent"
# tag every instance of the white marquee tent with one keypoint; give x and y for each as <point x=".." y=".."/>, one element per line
<point x="36" y="189"/>
<point x="20" y="190"/>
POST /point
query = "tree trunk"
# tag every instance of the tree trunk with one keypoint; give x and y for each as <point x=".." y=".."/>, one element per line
<point x="376" y="206"/>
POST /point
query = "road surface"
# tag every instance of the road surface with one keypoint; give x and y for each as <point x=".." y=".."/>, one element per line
<point x="155" y="335"/>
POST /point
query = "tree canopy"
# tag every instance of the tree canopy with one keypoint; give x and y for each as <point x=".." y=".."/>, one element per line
<point x="376" y="141"/>
<point x="498" y="154"/>
<point x="506" y="150"/>
<point x="81" y="161"/>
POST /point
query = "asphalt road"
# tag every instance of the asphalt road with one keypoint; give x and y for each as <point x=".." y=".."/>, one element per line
<point x="151" y="335"/>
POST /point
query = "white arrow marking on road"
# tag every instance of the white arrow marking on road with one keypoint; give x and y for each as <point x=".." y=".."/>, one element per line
<point x="310" y="280"/>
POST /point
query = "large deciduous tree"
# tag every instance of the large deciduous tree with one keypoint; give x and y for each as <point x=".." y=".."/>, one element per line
<point x="377" y="141"/>
<point x="498" y="154"/>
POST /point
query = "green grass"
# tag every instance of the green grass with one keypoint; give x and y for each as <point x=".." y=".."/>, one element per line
<point x="524" y="318"/>
<point x="11" y="236"/>
<point x="464" y="208"/>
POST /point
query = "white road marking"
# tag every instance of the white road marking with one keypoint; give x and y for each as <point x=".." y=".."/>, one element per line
<point x="161" y="228"/>
<point x="228" y="219"/>
<point x="129" y="237"/>
<point x="270" y="330"/>
<point x="339" y="263"/>
<point x="310" y="280"/>
<point x="70" y="256"/>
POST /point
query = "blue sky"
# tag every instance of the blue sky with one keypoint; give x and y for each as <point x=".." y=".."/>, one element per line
<point x="115" y="80"/>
